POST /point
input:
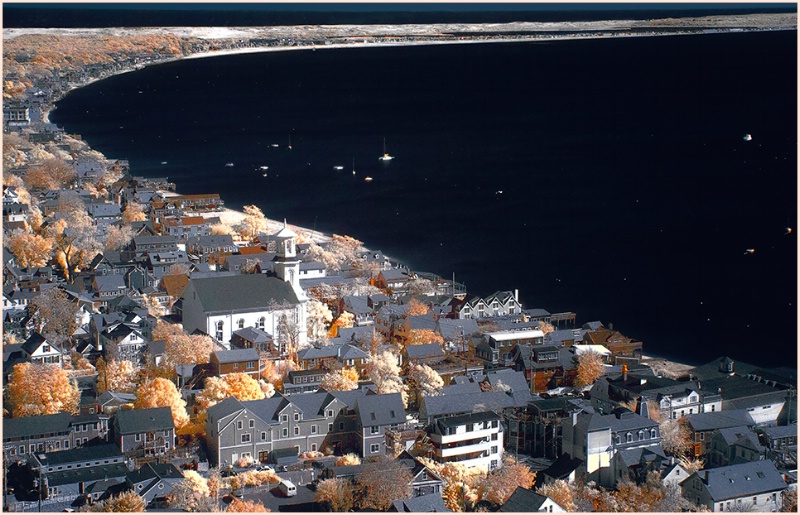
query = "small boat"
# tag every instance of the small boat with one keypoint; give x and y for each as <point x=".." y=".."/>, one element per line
<point x="274" y="145"/>
<point x="290" y="142"/>
<point x="163" y="162"/>
<point x="385" y="156"/>
<point x="749" y="251"/>
<point x="264" y="167"/>
<point x="368" y="178"/>
<point x="338" y="167"/>
<point x="263" y="175"/>
<point x="229" y="165"/>
<point x="748" y="137"/>
<point x="354" y="166"/>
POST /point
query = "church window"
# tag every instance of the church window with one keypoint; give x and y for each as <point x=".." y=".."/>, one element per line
<point x="220" y="326"/>
<point x="261" y="322"/>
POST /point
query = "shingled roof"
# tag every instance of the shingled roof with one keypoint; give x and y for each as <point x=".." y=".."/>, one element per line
<point x="240" y="292"/>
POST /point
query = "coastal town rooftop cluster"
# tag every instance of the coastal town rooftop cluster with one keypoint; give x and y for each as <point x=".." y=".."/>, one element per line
<point x="158" y="355"/>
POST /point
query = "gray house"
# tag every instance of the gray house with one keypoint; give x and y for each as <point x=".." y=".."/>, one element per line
<point x="144" y="432"/>
<point x="378" y="414"/>
<point x="754" y="486"/>
<point x="49" y="433"/>
<point x="154" y="481"/>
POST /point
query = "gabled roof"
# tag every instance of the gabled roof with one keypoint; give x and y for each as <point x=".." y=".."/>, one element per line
<point x="381" y="409"/>
<point x="428" y="503"/>
<point x="426" y="350"/>
<point x="40" y="424"/>
<point x="240" y="292"/>
<point x="79" y="454"/>
<point x="87" y="475"/>
<point x="143" y="420"/>
<point x="338" y="351"/>
<point x="253" y="334"/>
<point x="466" y="403"/>
<point x="740" y="480"/>
<point x="34" y="342"/>
<point x="236" y="355"/>
<point x="740" y="435"/>
<point x="523" y="500"/>
<point x="709" y="421"/>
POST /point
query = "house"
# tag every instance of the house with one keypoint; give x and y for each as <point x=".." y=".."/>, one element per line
<point x="545" y="419"/>
<point x="122" y="341"/>
<point x="526" y="501"/>
<point x="424" y="481"/>
<point x="330" y="357"/>
<point x="252" y="338"/>
<point x="206" y="246"/>
<point x="255" y="429"/>
<point x="185" y="227"/>
<point x="620" y="346"/>
<point x="733" y="445"/>
<point x="200" y="202"/>
<point x="596" y="438"/>
<point x="394" y="279"/>
<point x="218" y="306"/>
<point x="146" y="244"/>
<point x="237" y="361"/>
<point x="753" y="486"/>
<point x="702" y="425"/>
<point x="359" y="307"/>
<point x="109" y="401"/>
<point x="498" y="345"/>
<point x="545" y="366"/>
<point x="743" y="386"/>
<point x="303" y="381"/>
<point x="106" y="287"/>
<point x="378" y="414"/>
<point x="425" y="354"/>
<point x="144" y="432"/>
<point x="674" y="398"/>
<point x="154" y="481"/>
<point x="50" y="433"/>
<point x="428" y="503"/>
<point x="71" y="474"/>
<point x="456" y="332"/>
<point x="474" y="440"/>
<point x="250" y="262"/>
<point x="39" y="349"/>
<point x="312" y="270"/>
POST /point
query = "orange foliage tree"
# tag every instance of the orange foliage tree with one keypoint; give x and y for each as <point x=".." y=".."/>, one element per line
<point x="41" y="389"/>
<point x="30" y="250"/>
<point x="497" y="486"/>
<point x="337" y="493"/>
<point x="239" y="385"/>
<point x="590" y="368"/>
<point x="127" y="502"/>
<point x="423" y="336"/>
<point x="159" y="392"/>
<point x="240" y="506"/>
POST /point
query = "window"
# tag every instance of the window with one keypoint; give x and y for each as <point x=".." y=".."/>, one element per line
<point x="330" y="427"/>
<point x="235" y="365"/>
<point x="284" y="418"/>
<point x="329" y="413"/>
<point x="629" y="437"/>
<point x="653" y="433"/>
<point x="373" y="430"/>
<point x="285" y="432"/>
<point x="296" y="417"/>
<point x="263" y="436"/>
<point x="245" y="437"/>
<point x="494" y="423"/>
<point x="296" y="430"/>
<point x="220" y="326"/>
<point x="493" y="465"/>
<point x="494" y="437"/>
<point x="251" y="364"/>
<point x="341" y="426"/>
<point x="261" y="322"/>
<point x="239" y="424"/>
<point x="252" y="423"/>
<point x="702" y="436"/>
<point x="138" y="437"/>
<point x="350" y="362"/>
<point x="313" y="447"/>
<point x="470" y="428"/>
<point x="374" y="448"/>
<point x="494" y="449"/>
<point x="314" y="429"/>
<point x="641" y="435"/>
<point x="45" y="348"/>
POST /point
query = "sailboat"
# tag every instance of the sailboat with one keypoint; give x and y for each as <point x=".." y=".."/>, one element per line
<point x="385" y="156"/>
<point x="290" y="142"/>
<point x="354" y="166"/>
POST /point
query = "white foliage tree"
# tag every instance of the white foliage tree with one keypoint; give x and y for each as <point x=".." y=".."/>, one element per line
<point x="318" y="318"/>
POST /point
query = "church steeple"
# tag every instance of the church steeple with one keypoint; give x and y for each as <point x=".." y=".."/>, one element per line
<point x="287" y="265"/>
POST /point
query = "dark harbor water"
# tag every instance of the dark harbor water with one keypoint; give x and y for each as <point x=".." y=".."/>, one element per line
<point x="605" y="177"/>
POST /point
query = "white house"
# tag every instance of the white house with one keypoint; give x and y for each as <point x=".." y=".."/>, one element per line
<point x="474" y="440"/>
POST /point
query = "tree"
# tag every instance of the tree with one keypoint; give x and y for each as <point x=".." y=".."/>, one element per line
<point x="382" y="482"/>
<point x="337" y="381"/>
<point x="117" y="376"/>
<point x="416" y="308"/>
<point x="52" y="174"/>
<point x="348" y="460"/>
<point x="128" y="501"/>
<point x="344" y="320"/>
<point x="184" y="349"/>
<point x="74" y="236"/>
<point x="560" y="492"/>
<point x="384" y="371"/>
<point x="30" y="250"/>
<point x="41" y="389"/>
<point x="241" y="506"/>
<point x="54" y="314"/>
<point x="425" y="380"/>
<point x="692" y="465"/>
<point x="254" y="222"/>
<point x="423" y="336"/>
<point x="239" y="385"/>
<point x="339" y="251"/>
<point x="318" y="318"/>
<point x="337" y="493"/>
<point x="118" y="237"/>
<point x="497" y="486"/>
<point x="159" y="392"/>
<point x="459" y="491"/>
<point x="590" y="368"/>
<point x="676" y="437"/>
<point x="191" y="494"/>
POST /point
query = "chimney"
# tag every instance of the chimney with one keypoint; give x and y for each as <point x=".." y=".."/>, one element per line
<point x="624" y="371"/>
<point x="516" y="295"/>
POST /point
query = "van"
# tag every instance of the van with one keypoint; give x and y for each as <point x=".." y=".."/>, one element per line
<point x="287" y="488"/>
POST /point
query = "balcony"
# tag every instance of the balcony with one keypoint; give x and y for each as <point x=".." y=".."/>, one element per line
<point x="481" y="447"/>
<point x="464" y="435"/>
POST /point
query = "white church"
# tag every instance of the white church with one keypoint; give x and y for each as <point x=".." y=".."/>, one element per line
<point x="218" y="306"/>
